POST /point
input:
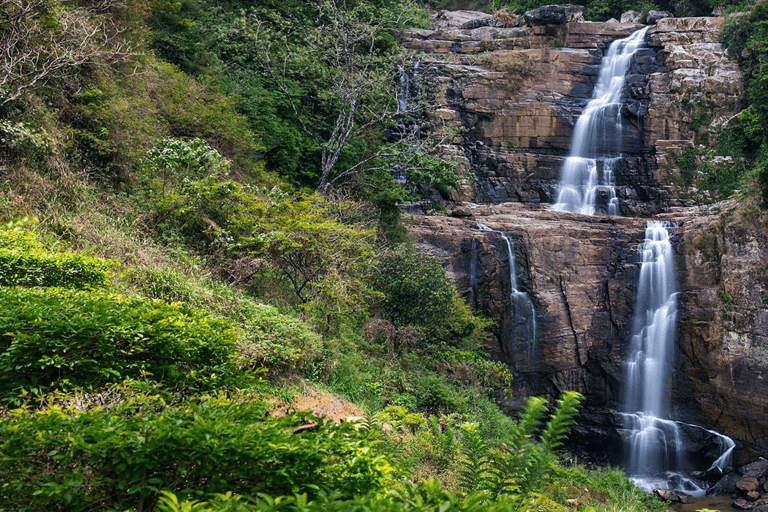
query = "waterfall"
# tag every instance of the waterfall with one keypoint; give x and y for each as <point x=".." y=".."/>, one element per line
<point x="655" y="441"/>
<point x="522" y="316"/>
<point x="596" y="143"/>
<point x="655" y="445"/>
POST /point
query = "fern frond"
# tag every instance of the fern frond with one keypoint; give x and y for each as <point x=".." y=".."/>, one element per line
<point x="562" y="418"/>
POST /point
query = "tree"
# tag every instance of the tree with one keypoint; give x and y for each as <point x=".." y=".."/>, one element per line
<point x="43" y="39"/>
<point x="352" y="55"/>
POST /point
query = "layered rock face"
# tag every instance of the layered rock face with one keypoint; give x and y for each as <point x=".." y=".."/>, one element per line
<point x="517" y="91"/>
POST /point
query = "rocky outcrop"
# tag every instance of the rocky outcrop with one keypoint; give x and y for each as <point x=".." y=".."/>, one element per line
<point x="698" y="90"/>
<point x="554" y="15"/>
<point x="581" y="275"/>
<point x="515" y="94"/>
<point x="653" y="16"/>
<point x="723" y="323"/>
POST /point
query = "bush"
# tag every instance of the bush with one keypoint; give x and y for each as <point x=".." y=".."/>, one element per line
<point x="418" y="293"/>
<point x="24" y="261"/>
<point x="121" y="457"/>
<point x="64" y="338"/>
<point x="278" y="341"/>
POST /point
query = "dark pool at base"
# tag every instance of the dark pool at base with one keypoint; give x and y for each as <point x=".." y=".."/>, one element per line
<point x="720" y="503"/>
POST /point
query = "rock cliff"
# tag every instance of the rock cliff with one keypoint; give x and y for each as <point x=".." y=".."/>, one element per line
<point x="516" y="92"/>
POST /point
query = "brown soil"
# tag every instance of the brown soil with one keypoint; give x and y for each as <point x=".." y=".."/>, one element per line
<point x="321" y="404"/>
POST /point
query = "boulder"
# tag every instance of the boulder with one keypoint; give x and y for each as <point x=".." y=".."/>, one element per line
<point x="757" y="469"/>
<point x="747" y="484"/>
<point x="630" y="17"/>
<point x="654" y="16"/>
<point x="742" y="504"/>
<point x="463" y="20"/>
<point x="726" y="485"/>
<point x="673" y="496"/>
<point x="554" y="15"/>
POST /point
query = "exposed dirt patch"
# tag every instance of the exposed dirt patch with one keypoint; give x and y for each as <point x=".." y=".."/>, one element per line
<point x="321" y="404"/>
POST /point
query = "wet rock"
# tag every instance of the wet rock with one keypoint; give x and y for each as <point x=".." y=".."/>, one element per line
<point x="630" y="17"/>
<point x="747" y="484"/>
<point x="726" y="485"/>
<point x="742" y="504"/>
<point x="757" y="469"/>
<point x="554" y="14"/>
<point x="672" y="496"/>
<point x="654" y="16"/>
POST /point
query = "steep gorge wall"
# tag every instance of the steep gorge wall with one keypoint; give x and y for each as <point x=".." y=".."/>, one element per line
<point x="516" y="92"/>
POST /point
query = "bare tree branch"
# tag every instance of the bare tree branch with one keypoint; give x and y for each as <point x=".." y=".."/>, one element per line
<point x="41" y="39"/>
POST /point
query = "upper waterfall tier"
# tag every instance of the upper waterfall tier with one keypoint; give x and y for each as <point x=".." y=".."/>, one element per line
<point x="598" y="136"/>
<point x="515" y="94"/>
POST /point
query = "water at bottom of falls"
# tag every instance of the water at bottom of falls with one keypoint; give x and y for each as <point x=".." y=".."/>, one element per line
<point x="659" y="443"/>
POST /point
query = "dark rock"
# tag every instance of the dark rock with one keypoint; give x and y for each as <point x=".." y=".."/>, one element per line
<point x="747" y="484"/>
<point x="757" y="469"/>
<point x="743" y="504"/>
<point x="726" y="485"/>
<point x="654" y="16"/>
<point x="554" y="14"/>
<point x="672" y="496"/>
<point x="753" y="496"/>
<point x="630" y="17"/>
<point x="487" y="21"/>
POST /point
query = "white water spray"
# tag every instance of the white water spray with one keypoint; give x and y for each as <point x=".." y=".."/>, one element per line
<point x="655" y="445"/>
<point x="655" y="441"/>
<point x="596" y="143"/>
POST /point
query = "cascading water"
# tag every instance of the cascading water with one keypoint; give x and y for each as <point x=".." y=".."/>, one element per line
<point x="522" y="320"/>
<point x="655" y="446"/>
<point x="523" y="314"/>
<point x="655" y="441"/>
<point x="596" y="144"/>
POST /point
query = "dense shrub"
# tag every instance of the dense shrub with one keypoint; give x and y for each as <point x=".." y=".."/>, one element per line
<point x="417" y="293"/>
<point x="25" y="261"/>
<point x="61" y="338"/>
<point x="119" y="457"/>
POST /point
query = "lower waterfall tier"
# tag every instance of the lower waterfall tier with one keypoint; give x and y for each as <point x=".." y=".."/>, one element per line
<point x="581" y="275"/>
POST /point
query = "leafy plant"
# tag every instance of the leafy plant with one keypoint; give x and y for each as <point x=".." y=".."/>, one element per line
<point x="58" y="338"/>
<point x="121" y="456"/>
<point x="25" y="261"/>
<point x="518" y="466"/>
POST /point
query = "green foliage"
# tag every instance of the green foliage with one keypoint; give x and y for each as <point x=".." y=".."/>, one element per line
<point x="743" y="137"/>
<point x="426" y="496"/>
<point x="416" y="289"/>
<point x="278" y="341"/>
<point x="475" y="465"/>
<point x="121" y="456"/>
<point x="746" y="38"/>
<point x="519" y="465"/>
<point x="688" y="165"/>
<point x="418" y="293"/>
<point x="55" y="338"/>
<point x="175" y="161"/>
<point x="25" y="261"/>
<point x="726" y="298"/>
